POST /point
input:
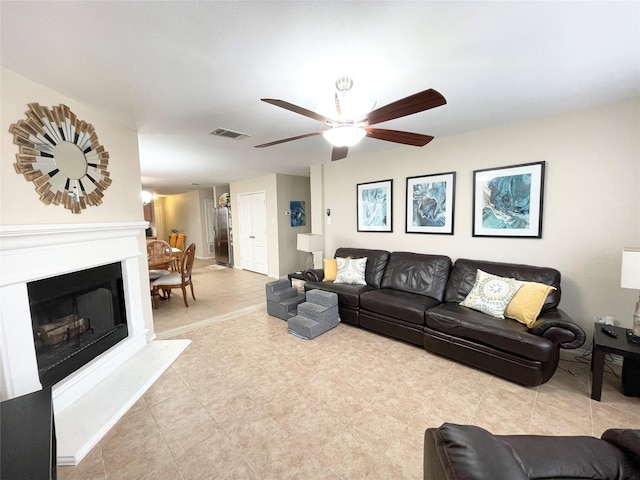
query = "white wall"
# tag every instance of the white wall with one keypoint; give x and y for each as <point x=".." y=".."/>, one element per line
<point x="591" y="201"/>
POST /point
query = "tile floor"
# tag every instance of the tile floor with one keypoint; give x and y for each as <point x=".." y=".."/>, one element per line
<point x="248" y="401"/>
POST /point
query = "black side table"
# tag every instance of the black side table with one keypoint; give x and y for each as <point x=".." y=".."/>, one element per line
<point x="297" y="276"/>
<point x="602" y="344"/>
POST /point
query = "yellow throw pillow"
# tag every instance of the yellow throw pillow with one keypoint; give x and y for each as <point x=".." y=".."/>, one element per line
<point x="330" y="269"/>
<point x="525" y="306"/>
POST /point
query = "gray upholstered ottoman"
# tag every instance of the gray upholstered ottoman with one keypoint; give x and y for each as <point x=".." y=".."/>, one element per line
<point x="316" y="315"/>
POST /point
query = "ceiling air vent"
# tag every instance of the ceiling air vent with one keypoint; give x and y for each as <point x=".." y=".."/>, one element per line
<point x="223" y="132"/>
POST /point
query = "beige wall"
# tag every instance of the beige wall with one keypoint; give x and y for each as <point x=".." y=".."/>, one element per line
<point x="291" y="188"/>
<point x="21" y="205"/>
<point x="591" y="201"/>
<point x="185" y="213"/>
<point x="281" y="237"/>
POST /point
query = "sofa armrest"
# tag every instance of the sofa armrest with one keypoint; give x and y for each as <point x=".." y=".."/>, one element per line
<point x="314" y="274"/>
<point x="467" y="452"/>
<point x="557" y="326"/>
<point x="626" y="440"/>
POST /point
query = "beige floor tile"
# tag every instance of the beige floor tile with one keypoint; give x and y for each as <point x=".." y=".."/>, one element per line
<point x="248" y="401"/>
<point x="209" y="458"/>
<point x="187" y="432"/>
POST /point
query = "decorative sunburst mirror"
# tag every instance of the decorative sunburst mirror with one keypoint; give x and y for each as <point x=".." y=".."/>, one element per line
<point x="62" y="156"/>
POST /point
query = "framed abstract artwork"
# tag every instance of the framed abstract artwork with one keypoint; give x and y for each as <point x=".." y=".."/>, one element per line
<point x="298" y="214"/>
<point x="507" y="201"/>
<point x="430" y="203"/>
<point x="374" y="206"/>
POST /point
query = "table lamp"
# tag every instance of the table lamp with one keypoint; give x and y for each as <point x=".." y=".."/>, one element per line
<point x="630" y="278"/>
<point x="309" y="242"/>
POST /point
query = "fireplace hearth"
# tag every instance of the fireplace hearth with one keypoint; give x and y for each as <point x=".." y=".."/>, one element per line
<point x="76" y="317"/>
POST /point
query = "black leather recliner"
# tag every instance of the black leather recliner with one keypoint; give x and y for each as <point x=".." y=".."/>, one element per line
<point x="467" y="452"/>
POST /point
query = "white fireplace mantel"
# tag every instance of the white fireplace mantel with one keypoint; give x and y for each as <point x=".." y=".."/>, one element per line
<point x="34" y="252"/>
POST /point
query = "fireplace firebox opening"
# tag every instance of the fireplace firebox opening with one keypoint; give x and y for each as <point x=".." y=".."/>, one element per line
<point x="76" y="317"/>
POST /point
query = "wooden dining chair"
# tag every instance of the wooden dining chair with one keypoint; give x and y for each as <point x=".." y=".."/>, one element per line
<point x="180" y="279"/>
<point x="158" y="248"/>
<point x="173" y="239"/>
<point x="178" y="249"/>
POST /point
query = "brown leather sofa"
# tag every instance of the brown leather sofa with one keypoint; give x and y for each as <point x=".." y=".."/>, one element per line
<point x="467" y="452"/>
<point x="412" y="284"/>
<point x="415" y="298"/>
<point x="501" y="346"/>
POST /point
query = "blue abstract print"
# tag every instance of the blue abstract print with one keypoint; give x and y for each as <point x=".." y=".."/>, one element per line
<point x="506" y="202"/>
<point x="430" y="204"/>
<point x="374" y="205"/>
<point x="298" y="215"/>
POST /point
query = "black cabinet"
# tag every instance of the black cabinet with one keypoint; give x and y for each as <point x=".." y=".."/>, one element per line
<point x="27" y="437"/>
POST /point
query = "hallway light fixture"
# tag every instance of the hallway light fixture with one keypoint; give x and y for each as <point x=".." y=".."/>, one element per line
<point x="146" y="197"/>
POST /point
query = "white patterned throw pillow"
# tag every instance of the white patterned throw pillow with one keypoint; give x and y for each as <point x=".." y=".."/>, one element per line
<point x="351" y="270"/>
<point x="491" y="294"/>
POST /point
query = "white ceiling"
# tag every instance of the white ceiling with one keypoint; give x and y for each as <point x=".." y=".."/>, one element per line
<point x="177" y="70"/>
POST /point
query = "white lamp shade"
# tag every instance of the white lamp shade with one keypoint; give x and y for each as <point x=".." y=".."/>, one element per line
<point x="630" y="275"/>
<point x="309" y="242"/>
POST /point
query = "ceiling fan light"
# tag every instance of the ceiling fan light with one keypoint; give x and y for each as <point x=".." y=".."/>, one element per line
<point x="344" y="136"/>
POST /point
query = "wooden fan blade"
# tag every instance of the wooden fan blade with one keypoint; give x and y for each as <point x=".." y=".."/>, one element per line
<point x="397" y="136"/>
<point x="288" y="139"/>
<point x="296" y="109"/>
<point x="406" y="106"/>
<point x="338" y="153"/>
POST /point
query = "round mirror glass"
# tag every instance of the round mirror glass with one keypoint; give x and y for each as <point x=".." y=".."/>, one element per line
<point x="70" y="160"/>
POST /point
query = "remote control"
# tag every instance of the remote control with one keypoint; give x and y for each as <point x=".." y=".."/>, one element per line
<point x="609" y="332"/>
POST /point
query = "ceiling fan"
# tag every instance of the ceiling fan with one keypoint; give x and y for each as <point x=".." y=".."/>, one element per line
<point x="346" y="130"/>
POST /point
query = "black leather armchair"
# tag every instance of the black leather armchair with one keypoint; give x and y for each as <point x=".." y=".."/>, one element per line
<point x="467" y="452"/>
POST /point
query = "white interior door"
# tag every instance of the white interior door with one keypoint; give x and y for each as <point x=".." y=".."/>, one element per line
<point x="259" y="211"/>
<point x="252" y="226"/>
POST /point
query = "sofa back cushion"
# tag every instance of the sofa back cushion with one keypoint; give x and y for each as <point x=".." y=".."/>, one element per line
<point x="463" y="277"/>
<point x="376" y="262"/>
<point x="418" y="273"/>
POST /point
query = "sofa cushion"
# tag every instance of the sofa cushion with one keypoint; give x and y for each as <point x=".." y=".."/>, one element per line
<point x="351" y="270"/>
<point x="348" y="295"/>
<point x="501" y="334"/>
<point x="397" y="304"/>
<point x="491" y="294"/>
<point x="545" y="457"/>
<point x="376" y="262"/>
<point x="463" y="277"/>
<point x="417" y="273"/>
<point x="525" y="306"/>
<point x="330" y="269"/>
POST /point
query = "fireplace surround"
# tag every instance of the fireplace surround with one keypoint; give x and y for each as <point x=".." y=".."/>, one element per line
<point x="30" y="253"/>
